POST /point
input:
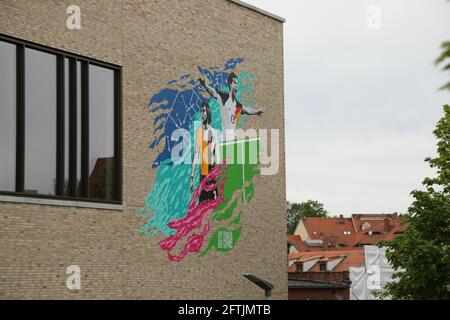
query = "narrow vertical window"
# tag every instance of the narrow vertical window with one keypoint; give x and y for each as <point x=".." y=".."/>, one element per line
<point x="78" y="136"/>
<point x="66" y="127"/>
<point x="102" y="176"/>
<point x="7" y="116"/>
<point x="40" y="122"/>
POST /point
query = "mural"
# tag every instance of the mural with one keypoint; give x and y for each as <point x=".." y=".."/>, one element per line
<point x="204" y="171"/>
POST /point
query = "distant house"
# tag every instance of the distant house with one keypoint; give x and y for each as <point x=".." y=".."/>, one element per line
<point x="322" y="275"/>
<point x="323" y="250"/>
<point x="319" y="234"/>
<point x="325" y="261"/>
<point x="300" y="289"/>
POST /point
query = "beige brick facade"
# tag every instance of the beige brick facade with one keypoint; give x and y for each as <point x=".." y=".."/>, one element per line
<point x="154" y="41"/>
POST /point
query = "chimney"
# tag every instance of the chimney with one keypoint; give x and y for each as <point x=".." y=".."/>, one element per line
<point x="325" y="242"/>
<point x="299" y="266"/>
<point x="340" y="220"/>
<point x="395" y="217"/>
<point x="387" y="225"/>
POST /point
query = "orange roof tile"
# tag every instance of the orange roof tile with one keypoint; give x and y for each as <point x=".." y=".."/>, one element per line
<point x="294" y="238"/>
<point x="348" y="232"/>
<point x="351" y="258"/>
<point x="317" y="227"/>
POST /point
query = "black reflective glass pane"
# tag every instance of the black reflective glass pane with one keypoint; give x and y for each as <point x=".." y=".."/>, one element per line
<point x="101" y="134"/>
<point x="40" y="122"/>
<point x="78" y="127"/>
<point x="66" y="126"/>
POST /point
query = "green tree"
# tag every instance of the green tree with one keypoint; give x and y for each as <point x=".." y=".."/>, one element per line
<point x="297" y="211"/>
<point x="423" y="251"/>
<point x="444" y="59"/>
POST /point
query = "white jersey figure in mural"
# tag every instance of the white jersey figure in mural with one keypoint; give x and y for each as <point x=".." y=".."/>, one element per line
<point x="230" y="107"/>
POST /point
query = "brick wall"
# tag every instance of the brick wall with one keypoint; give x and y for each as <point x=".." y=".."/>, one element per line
<point x="319" y="294"/>
<point x="154" y="41"/>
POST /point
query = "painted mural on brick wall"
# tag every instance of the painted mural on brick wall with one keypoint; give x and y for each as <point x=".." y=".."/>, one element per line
<point x="205" y="172"/>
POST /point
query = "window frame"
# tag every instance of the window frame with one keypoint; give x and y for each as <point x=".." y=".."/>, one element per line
<point x="323" y="266"/>
<point x="61" y="55"/>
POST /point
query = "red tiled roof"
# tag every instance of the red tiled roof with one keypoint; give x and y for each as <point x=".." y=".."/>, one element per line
<point x="351" y="258"/>
<point x="376" y="222"/>
<point x="296" y="242"/>
<point x="331" y="232"/>
<point x="317" y="227"/>
<point x="348" y="232"/>
<point x="294" y="238"/>
<point x="399" y="229"/>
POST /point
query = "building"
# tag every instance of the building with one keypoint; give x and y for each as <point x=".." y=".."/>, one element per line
<point x="323" y="251"/>
<point x="99" y="103"/>
<point x="317" y="290"/>
<point x="325" y="261"/>
<point x="322" y="275"/>
<point x="319" y="234"/>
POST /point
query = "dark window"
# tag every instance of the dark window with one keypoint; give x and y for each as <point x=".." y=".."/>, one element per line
<point x="78" y="130"/>
<point x="66" y="126"/>
<point x="101" y="133"/>
<point x="323" y="266"/>
<point x="59" y="124"/>
<point x="40" y="122"/>
<point x="7" y="116"/>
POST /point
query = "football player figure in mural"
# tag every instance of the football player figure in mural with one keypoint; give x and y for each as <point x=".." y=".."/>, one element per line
<point x="230" y="107"/>
<point x="206" y="151"/>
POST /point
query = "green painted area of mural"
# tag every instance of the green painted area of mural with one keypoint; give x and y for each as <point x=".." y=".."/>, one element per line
<point x="237" y="220"/>
<point x="227" y="213"/>
<point x="223" y="240"/>
<point x="239" y="188"/>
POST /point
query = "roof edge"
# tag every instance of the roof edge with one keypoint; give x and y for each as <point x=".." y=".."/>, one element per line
<point x="264" y="12"/>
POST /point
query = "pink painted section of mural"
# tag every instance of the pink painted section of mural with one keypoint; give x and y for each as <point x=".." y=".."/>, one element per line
<point x="196" y="215"/>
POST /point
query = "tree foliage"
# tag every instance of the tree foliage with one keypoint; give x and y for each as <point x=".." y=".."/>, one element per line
<point x="297" y="211"/>
<point x="444" y="59"/>
<point x="422" y="253"/>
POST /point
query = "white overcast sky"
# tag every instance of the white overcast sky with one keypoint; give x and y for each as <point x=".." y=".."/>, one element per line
<point x="360" y="104"/>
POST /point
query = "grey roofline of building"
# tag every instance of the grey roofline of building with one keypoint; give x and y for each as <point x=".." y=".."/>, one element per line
<point x="264" y="12"/>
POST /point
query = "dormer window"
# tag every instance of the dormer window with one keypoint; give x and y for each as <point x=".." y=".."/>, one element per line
<point x="323" y="266"/>
<point x="299" y="266"/>
<point x="365" y="225"/>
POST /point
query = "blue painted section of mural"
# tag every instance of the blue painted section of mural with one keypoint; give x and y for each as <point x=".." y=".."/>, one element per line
<point x="178" y="107"/>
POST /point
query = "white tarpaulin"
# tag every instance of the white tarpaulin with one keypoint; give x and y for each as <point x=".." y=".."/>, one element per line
<point x="372" y="277"/>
